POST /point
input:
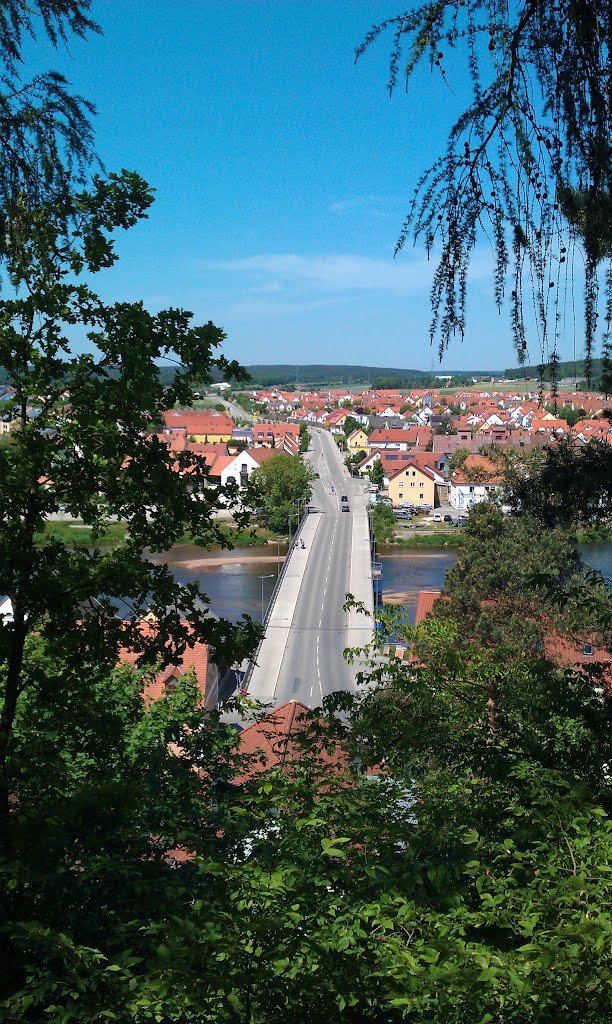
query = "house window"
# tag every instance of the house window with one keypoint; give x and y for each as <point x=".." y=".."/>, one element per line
<point x="170" y="685"/>
<point x="587" y="650"/>
<point x="412" y="483"/>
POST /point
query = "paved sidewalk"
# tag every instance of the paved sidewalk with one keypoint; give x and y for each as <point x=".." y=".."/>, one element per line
<point x="263" y="680"/>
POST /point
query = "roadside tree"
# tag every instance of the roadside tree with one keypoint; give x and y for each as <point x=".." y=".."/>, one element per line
<point x="352" y="461"/>
<point x="377" y="473"/>
<point x="350" y="424"/>
<point x="276" y="490"/>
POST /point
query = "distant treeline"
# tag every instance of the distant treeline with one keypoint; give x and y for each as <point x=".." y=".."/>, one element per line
<point x="565" y="370"/>
<point x="354" y="376"/>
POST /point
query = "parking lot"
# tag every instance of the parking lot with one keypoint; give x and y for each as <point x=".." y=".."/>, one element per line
<point x="426" y="519"/>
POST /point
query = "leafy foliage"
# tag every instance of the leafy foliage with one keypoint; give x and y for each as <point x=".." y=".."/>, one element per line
<point x="83" y="439"/>
<point x="276" y="490"/>
<point x="383" y="523"/>
<point x="377" y="473"/>
<point x="563" y="484"/>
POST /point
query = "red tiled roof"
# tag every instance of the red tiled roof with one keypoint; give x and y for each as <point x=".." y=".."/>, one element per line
<point x="427" y="599"/>
<point x="195" y="657"/>
<point x="272" y="738"/>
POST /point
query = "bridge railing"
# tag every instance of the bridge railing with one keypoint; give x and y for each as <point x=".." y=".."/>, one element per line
<point x="279" y="580"/>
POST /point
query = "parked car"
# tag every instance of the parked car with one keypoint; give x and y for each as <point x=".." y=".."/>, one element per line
<point x="385" y="501"/>
<point x="437" y="518"/>
<point x="448" y="519"/>
<point x="405" y="504"/>
<point x="424" y="507"/>
<point x="402" y="513"/>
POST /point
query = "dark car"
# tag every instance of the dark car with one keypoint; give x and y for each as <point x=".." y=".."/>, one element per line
<point x="448" y="519"/>
<point x="344" y="498"/>
<point x="345" y="508"/>
<point x="317" y="476"/>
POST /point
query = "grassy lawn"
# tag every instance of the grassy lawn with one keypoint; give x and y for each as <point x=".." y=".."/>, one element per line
<point x="207" y="403"/>
<point x="412" y="539"/>
<point x="79" y="536"/>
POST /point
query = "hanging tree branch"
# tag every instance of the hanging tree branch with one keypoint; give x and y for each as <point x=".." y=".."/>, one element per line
<point x="529" y="157"/>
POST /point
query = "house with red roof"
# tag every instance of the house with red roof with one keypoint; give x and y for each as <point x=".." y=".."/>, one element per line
<point x="199" y="424"/>
<point x="477" y="480"/>
<point x="163" y="682"/>
<point x="416" y="481"/>
<point x="274" y="742"/>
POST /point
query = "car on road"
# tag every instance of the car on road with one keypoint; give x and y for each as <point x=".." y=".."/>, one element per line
<point x="344" y="498"/>
<point x="345" y="507"/>
<point x="317" y="476"/>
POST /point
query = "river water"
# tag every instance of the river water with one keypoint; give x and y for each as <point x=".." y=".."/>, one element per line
<point x="236" y="586"/>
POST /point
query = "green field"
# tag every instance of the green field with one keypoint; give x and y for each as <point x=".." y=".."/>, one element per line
<point x="78" y="535"/>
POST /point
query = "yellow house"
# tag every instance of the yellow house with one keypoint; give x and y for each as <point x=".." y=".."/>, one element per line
<point x="358" y="442"/>
<point x="412" y="483"/>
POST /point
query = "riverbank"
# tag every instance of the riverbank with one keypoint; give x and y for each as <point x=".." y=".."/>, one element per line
<point x="422" y="541"/>
<point x="77" y="535"/>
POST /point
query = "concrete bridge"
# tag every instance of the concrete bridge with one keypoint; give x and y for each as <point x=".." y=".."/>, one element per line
<point x="307" y="628"/>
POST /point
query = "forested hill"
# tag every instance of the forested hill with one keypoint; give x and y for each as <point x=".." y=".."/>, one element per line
<point x="565" y="370"/>
<point x="355" y="376"/>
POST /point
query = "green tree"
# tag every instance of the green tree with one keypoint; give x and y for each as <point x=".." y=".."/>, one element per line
<point x="498" y="590"/>
<point x="350" y="424"/>
<point x="83" y="439"/>
<point x="383" y="523"/>
<point x="458" y="457"/>
<point x="304" y="438"/>
<point x="352" y="461"/>
<point x="377" y="473"/>
<point x="276" y="488"/>
<point x="109" y="789"/>
<point x="505" y="760"/>
<point x="563" y="484"/>
<point x="528" y="156"/>
<point x="45" y="130"/>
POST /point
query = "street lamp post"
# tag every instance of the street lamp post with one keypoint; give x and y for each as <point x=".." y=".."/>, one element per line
<point x="292" y="515"/>
<point x="270" y="576"/>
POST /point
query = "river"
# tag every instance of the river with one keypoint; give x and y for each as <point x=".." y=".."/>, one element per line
<point x="236" y="586"/>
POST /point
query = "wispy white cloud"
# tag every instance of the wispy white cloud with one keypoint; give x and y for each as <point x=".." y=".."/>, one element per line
<point x="333" y="273"/>
<point x="372" y="206"/>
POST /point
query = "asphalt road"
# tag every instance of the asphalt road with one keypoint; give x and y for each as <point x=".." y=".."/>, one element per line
<point x="310" y="633"/>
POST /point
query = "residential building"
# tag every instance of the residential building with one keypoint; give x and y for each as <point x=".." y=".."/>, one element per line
<point x="477" y="480"/>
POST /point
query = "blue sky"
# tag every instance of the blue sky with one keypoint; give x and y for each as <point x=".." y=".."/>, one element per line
<point x="283" y="172"/>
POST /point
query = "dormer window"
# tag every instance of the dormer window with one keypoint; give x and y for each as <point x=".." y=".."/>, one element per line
<point x="587" y="650"/>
